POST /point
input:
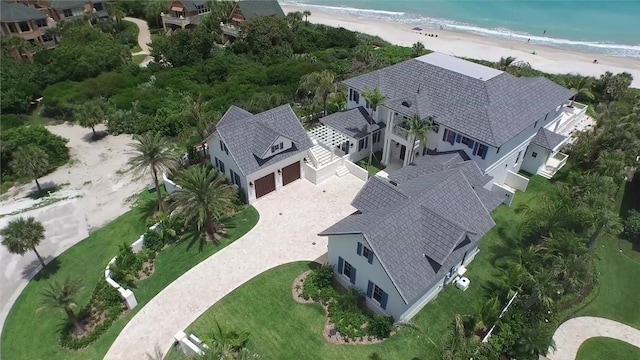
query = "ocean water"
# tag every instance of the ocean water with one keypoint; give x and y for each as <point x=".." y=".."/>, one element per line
<point x="609" y="27"/>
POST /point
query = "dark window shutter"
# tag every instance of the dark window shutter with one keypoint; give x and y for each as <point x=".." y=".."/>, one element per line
<point x="370" y="289"/>
<point x="383" y="303"/>
<point x="340" y="264"/>
<point x="370" y="257"/>
<point x="353" y="275"/>
<point x="359" y="248"/>
<point x="221" y="146"/>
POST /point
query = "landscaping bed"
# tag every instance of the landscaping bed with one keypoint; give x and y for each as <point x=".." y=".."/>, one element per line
<point x="348" y="321"/>
<point x="606" y="348"/>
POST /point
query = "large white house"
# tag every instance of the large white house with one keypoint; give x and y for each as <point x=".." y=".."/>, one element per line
<point x="502" y="122"/>
<point x="412" y="233"/>
<point x="259" y="153"/>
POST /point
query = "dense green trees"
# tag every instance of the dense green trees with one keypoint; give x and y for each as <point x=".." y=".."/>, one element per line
<point x="183" y="47"/>
<point x="22" y="235"/>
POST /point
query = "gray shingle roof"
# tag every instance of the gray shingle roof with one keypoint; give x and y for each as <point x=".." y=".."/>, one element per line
<point x="67" y="4"/>
<point x="14" y="12"/>
<point x="254" y="8"/>
<point x="244" y="133"/>
<point x="492" y="110"/>
<point x="353" y="123"/>
<point x="547" y="139"/>
<point x="192" y="5"/>
<point x="421" y="227"/>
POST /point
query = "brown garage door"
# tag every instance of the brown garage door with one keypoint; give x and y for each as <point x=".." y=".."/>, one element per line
<point x="265" y="185"/>
<point x="291" y="173"/>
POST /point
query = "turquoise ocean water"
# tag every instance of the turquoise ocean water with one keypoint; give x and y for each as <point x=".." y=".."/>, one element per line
<point x="609" y="27"/>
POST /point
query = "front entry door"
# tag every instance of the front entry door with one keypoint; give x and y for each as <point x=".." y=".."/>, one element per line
<point x="403" y="150"/>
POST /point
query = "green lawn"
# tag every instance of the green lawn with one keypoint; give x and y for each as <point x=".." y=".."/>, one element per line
<point x="375" y="167"/>
<point x="283" y="329"/>
<point x="31" y="335"/>
<point x="138" y="59"/>
<point x="606" y="348"/>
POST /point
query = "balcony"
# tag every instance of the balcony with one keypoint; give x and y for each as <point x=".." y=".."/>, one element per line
<point x="401" y="132"/>
<point x="230" y="30"/>
<point x="553" y="165"/>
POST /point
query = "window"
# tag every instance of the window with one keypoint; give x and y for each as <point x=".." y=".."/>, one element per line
<point x="223" y="147"/>
<point x="24" y="26"/>
<point x="365" y="251"/>
<point x="363" y="143"/>
<point x="221" y="166"/>
<point x="376" y="293"/>
<point x="534" y="154"/>
<point x="347" y="270"/>
<point x="367" y="104"/>
<point x="350" y="94"/>
<point x="356" y="96"/>
<point x="345" y="147"/>
<point x="73" y="12"/>
<point x="376" y="137"/>
<point x="535" y="124"/>
<point x="202" y="9"/>
<point x="436" y="128"/>
<point x="480" y="150"/>
<point x="449" y="136"/>
<point x="41" y="23"/>
<point x="277" y="147"/>
<point x="235" y="178"/>
<point x="46" y="37"/>
<point x="518" y="158"/>
<point x="468" y="142"/>
<point x="458" y="138"/>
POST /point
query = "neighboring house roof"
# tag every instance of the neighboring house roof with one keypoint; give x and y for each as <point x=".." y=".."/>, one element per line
<point x="353" y="123"/>
<point x="486" y="104"/>
<point x="247" y="136"/>
<point x="423" y="224"/>
<point x="14" y="12"/>
<point x="192" y="5"/>
<point x="547" y="139"/>
<point x="68" y="4"/>
<point x="254" y="8"/>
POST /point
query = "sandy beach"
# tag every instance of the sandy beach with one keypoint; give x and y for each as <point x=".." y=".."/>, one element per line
<point x="546" y="59"/>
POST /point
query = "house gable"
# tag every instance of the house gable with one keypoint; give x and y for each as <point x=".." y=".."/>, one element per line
<point x="279" y="145"/>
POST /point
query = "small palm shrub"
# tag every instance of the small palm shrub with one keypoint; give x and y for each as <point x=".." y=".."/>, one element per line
<point x="152" y="241"/>
<point x="126" y="267"/>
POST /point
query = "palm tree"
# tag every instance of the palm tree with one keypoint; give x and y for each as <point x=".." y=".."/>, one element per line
<point x="306" y="14"/>
<point x="459" y="344"/>
<point x="151" y="154"/>
<point x="22" y="235"/>
<point x="321" y="84"/>
<point x="153" y="8"/>
<point x="375" y="97"/>
<point x="204" y="199"/>
<point x="417" y="49"/>
<point x="504" y="63"/>
<point x="115" y="11"/>
<point x="418" y="129"/>
<point x="90" y="114"/>
<point x="203" y="120"/>
<point x="63" y="297"/>
<point x="487" y="313"/>
<point x="30" y="161"/>
<point x="294" y="19"/>
<point x="582" y="86"/>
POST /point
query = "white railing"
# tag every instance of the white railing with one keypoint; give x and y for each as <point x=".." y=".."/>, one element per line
<point x="356" y="170"/>
<point x="401" y="132"/>
<point x="230" y="29"/>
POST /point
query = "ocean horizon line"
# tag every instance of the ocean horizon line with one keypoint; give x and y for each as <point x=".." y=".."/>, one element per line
<point x="414" y="19"/>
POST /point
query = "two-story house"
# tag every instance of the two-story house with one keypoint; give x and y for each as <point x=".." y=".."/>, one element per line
<point x="489" y="114"/>
<point x="184" y="14"/>
<point x="412" y="233"/>
<point x="69" y="9"/>
<point x="244" y="10"/>
<point x="20" y="20"/>
<point x="259" y="153"/>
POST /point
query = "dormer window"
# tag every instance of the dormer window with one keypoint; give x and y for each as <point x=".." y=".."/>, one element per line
<point x="406" y="104"/>
<point x="277" y="147"/>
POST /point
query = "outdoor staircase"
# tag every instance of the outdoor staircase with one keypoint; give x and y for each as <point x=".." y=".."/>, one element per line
<point x="321" y="154"/>
<point x="342" y="171"/>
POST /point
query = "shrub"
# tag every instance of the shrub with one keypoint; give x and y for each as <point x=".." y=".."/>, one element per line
<point x="632" y="226"/>
<point x="152" y="241"/>
<point x="126" y="267"/>
<point x="349" y="323"/>
<point x="324" y="276"/>
<point x="55" y="146"/>
<point x="380" y="326"/>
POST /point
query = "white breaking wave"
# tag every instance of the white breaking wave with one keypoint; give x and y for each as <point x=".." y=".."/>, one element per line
<point x="417" y="20"/>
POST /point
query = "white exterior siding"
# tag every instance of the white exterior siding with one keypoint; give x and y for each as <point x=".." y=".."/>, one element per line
<point x="355" y="155"/>
<point x="533" y="164"/>
<point x="251" y="178"/>
<point x="229" y="164"/>
<point x="346" y="246"/>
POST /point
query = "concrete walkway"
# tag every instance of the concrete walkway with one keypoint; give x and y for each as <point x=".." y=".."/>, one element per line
<point x="287" y="231"/>
<point x="573" y="332"/>
<point x="144" y="38"/>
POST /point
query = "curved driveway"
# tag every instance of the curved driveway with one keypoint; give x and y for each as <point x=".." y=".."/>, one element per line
<point x="573" y="332"/>
<point x="287" y="231"/>
<point x="144" y="38"/>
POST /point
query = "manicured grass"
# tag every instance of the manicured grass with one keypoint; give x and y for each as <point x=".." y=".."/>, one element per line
<point x="138" y="59"/>
<point x="606" y="348"/>
<point x="375" y="166"/>
<point x="280" y="328"/>
<point x="31" y="335"/>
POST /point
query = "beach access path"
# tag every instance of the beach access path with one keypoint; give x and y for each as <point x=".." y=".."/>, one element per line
<point x="547" y="59"/>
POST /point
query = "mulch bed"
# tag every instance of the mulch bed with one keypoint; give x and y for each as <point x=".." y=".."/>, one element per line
<point x="147" y="270"/>
<point x="329" y="333"/>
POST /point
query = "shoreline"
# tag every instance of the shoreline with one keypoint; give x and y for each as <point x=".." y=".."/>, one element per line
<point x="457" y="43"/>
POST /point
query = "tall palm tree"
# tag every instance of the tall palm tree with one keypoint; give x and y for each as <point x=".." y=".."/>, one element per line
<point x="504" y="63"/>
<point x="582" y="86"/>
<point x="152" y="154"/>
<point x="32" y="162"/>
<point x="204" y="199"/>
<point x="203" y="121"/>
<point x="22" y="235"/>
<point x="418" y="129"/>
<point x="294" y="19"/>
<point x="153" y="8"/>
<point x="321" y="84"/>
<point x="62" y="296"/>
<point x="306" y="14"/>
<point x="417" y="49"/>
<point x="375" y="97"/>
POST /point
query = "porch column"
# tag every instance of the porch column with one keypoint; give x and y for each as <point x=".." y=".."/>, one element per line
<point x="385" y="151"/>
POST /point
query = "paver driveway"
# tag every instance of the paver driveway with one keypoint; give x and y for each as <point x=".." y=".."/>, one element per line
<point x="573" y="332"/>
<point x="287" y="230"/>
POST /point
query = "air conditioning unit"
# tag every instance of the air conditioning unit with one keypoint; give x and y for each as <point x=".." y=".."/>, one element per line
<point x="463" y="283"/>
<point x="461" y="270"/>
